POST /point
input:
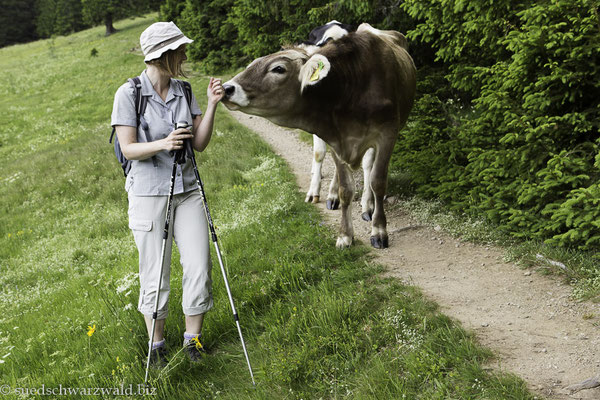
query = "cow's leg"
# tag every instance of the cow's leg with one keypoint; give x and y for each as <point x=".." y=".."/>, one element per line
<point x="379" y="173"/>
<point x="333" y="199"/>
<point x="319" y="150"/>
<point x="366" y="201"/>
<point x="346" y="194"/>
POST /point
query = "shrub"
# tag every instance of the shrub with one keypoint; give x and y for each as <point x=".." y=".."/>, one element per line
<point x="530" y="135"/>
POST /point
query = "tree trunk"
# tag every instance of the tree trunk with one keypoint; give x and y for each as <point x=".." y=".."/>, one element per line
<point x="108" y="22"/>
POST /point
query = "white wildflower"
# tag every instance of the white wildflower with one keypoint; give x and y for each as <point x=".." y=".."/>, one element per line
<point x="126" y="282"/>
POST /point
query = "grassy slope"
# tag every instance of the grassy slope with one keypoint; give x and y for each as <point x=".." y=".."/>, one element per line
<point x="318" y="322"/>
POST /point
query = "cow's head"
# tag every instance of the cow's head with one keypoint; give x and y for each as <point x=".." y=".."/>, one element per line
<point x="273" y="85"/>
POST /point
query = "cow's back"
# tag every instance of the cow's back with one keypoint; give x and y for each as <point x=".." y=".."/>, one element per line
<point x="373" y="76"/>
<point x="394" y="38"/>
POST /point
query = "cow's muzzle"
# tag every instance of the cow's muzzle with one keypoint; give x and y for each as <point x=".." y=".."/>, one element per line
<point x="235" y="95"/>
<point x="229" y="90"/>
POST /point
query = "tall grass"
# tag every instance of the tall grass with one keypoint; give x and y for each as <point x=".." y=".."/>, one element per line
<point x="318" y="323"/>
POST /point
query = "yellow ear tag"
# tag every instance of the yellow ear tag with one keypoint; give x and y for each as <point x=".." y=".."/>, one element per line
<point x="315" y="75"/>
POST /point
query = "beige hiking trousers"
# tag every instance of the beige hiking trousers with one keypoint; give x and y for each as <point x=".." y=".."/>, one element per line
<point x="189" y="228"/>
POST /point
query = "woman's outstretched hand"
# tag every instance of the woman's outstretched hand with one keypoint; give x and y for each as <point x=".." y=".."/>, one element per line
<point x="215" y="91"/>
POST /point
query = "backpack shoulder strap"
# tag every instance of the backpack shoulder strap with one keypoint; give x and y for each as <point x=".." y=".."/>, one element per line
<point x="140" y="108"/>
<point x="136" y="84"/>
<point x="187" y="90"/>
<point x="112" y="135"/>
<point x="140" y="103"/>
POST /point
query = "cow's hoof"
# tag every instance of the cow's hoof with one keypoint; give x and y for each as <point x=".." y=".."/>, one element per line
<point x="379" y="242"/>
<point x="333" y="204"/>
<point x="343" y="242"/>
<point x="367" y="215"/>
<point x="311" y="199"/>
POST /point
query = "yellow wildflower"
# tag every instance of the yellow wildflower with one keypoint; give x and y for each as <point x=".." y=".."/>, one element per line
<point x="197" y="343"/>
<point x="91" y="330"/>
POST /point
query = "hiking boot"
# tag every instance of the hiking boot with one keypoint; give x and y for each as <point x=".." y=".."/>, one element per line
<point x="158" y="358"/>
<point x="194" y="350"/>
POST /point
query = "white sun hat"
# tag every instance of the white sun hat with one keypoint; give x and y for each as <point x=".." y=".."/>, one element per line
<point x="160" y="37"/>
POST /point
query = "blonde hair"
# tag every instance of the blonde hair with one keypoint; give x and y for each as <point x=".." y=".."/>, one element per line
<point x="171" y="62"/>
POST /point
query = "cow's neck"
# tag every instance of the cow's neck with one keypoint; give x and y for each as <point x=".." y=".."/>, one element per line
<point x="316" y="123"/>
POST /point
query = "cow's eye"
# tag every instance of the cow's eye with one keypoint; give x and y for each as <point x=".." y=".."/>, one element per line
<point x="278" y="70"/>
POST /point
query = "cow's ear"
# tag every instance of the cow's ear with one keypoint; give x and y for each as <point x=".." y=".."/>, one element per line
<point x="314" y="70"/>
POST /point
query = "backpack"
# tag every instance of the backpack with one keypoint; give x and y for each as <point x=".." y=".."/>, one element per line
<point x="140" y="109"/>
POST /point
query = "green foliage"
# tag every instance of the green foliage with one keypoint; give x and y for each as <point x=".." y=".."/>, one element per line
<point x="429" y="148"/>
<point x="521" y="143"/>
<point x="106" y="11"/>
<point x="466" y="35"/>
<point x="59" y="17"/>
<point x="265" y="26"/>
<point x="44" y="18"/>
<point x="578" y="217"/>
<point x="170" y="10"/>
<point x="215" y="44"/>
<point x="17" y="22"/>
<point x="231" y="33"/>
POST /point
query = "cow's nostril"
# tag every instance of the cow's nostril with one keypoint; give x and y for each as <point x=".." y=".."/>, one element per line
<point x="229" y="89"/>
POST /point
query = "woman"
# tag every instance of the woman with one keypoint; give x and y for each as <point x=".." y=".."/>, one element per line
<point x="148" y="182"/>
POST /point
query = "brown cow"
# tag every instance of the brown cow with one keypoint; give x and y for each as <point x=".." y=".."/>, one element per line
<point x="355" y="93"/>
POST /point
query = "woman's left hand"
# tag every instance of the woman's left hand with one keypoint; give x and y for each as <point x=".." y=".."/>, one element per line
<point x="215" y="90"/>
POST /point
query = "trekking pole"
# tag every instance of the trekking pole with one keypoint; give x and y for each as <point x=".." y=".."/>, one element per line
<point x="190" y="154"/>
<point x="162" y="263"/>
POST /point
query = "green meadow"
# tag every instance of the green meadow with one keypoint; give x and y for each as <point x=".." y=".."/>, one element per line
<point x="318" y="322"/>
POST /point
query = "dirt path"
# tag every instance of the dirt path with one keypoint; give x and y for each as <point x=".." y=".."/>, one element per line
<point x="528" y="319"/>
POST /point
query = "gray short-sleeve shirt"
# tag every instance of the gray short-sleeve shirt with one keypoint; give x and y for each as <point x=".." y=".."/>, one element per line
<point x="144" y="178"/>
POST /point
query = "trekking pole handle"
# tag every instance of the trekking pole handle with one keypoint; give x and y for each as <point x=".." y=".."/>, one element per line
<point x="187" y="143"/>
